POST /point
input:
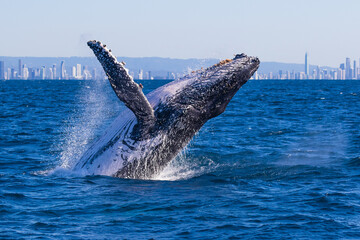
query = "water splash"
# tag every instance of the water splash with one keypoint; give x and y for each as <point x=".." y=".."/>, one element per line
<point x="200" y="64"/>
<point x="185" y="167"/>
<point x="89" y="121"/>
<point x="83" y="126"/>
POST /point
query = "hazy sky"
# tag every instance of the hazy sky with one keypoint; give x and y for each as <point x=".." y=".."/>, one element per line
<point x="273" y="30"/>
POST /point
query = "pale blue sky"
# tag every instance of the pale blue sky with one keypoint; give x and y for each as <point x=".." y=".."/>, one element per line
<point x="273" y="30"/>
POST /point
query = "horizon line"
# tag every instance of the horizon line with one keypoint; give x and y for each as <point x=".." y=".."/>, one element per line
<point x="164" y="58"/>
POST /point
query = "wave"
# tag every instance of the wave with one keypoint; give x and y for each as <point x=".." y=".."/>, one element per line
<point x="354" y="162"/>
<point x="183" y="168"/>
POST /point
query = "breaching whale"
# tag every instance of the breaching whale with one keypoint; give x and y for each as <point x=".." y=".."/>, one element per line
<point x="156" y="127"/>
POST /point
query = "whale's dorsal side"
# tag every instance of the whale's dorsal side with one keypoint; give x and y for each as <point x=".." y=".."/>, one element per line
<point x="166" y="119"/>
<point x="125" y="88"/>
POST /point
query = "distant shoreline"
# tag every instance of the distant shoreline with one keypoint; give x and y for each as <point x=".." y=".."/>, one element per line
<point x="175" y="79"/>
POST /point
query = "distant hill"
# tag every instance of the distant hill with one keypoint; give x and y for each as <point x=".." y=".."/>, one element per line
<point x="158" y="66"/>
<point x="266" y="67"/>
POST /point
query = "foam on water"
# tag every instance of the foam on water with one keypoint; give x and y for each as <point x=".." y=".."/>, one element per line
<point x="317" y="147"/>
<point x="186" y="166"/>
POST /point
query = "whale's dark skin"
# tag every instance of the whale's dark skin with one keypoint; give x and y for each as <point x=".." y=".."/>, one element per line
<point x="141" y="144"/>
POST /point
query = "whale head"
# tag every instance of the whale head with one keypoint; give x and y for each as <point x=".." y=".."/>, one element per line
<point x="208" y="91"/>
<point x="225" y="79"/>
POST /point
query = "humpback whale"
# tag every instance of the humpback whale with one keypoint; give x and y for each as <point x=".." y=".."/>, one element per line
<point x="154" y="128"/>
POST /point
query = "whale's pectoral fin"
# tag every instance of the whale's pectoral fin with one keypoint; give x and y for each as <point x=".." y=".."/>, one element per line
<point x="124" y="86"/>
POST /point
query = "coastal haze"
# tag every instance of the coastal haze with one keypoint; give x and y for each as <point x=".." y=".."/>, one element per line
<point x="88" y="68"/>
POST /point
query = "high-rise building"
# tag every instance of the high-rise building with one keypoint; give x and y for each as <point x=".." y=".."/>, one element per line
<point x="62" y="69"/>
<point x="342" y="66"/>
<point x="348" y="69"/>
<point x="54" y="71"/>
<point x="31" y="73"/>
<point x="8" y="74"/>
<point x="2" y="70"/>
<point x="325" y="73"/>
<point x="318" y="73"/>
<point x="306" y="65"/>
<point x="25" y="72"/>
<point x="86" y="73"/>
<point x="20" y="69"/>
<point x="333" y="74"/>
<point x="355" y="70"/>
<point x="140" y="75"/>
<point x="51" y="74"/>
<point x="13" y="73"/>
<point x="78" y="71"/>
<point x="43" y="73"/>
<point x="73" y="72"/>
<point x="146" y="75"/>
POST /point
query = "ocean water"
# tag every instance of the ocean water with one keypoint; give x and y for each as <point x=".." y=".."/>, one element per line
<point x="283" y="161"/>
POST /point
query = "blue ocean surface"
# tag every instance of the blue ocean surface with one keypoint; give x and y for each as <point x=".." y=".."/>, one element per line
<point x="282" y="162"/>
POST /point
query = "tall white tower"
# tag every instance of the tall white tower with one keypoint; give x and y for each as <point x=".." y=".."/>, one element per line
<point x="78" y="71"/>
<point x="306" y="65"/>
<point x="62" y="69"/>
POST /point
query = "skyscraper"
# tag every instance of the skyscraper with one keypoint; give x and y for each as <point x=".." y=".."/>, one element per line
<point x="54" y="71"/>
<point x="318" y="72"/>
<point x="20" y="72"/>
<point x="43" y="73"/>
<point x="140" y="75"/>
<point x="62" y="69"/>
<point x="355" y="70"/>
<point x="25" y="72"/>
<point x="306" y="65"/>
<point x="73" y="72"/>
<point x="78" y="71"/>
<point x="13" y="73"/>
<point x="51" y="74"/>
<point x="2" y="70"/>
<point x="348" y="69"/>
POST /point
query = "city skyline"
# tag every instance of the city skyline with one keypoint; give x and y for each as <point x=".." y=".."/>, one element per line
<point x="345" y="71"/>
<point x="72" y="72"/>
<point x="277" y="30"/>
<point x="24" y="72"/>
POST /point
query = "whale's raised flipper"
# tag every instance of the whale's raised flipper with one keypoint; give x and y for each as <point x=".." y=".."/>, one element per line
<point x="124" y="86"/>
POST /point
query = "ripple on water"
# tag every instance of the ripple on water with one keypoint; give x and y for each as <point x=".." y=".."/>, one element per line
<point x="280" y="163"/>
